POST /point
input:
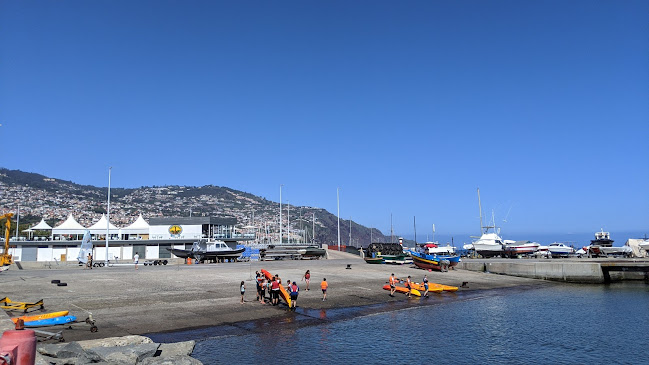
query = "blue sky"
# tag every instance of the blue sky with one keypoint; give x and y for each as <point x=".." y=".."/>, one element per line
<point x="408" y="107"/>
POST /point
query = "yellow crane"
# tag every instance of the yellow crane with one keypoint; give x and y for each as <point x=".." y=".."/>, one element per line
<point x="5" y="257"/>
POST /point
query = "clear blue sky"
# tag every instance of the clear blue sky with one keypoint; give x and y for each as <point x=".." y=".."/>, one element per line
<point x="408" y="107"/>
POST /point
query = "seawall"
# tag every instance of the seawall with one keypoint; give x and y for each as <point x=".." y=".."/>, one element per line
<point x="566" y="270"/>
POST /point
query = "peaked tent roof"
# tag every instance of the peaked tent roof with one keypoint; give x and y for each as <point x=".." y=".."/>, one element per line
<point x="70" y="226"/>
<point x="139" y="226"/>
<point x="100" y="226"/>
<point x="41" y="226"/>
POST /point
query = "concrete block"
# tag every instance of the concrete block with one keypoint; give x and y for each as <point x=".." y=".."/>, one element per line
<point x="177" y="348"/>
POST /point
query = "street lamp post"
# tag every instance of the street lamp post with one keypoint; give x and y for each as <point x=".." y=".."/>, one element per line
<point x="280" y="214"/>
<point x="108" y="215"/>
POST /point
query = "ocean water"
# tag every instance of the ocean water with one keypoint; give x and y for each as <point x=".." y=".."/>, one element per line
<point x="563" y="324"/>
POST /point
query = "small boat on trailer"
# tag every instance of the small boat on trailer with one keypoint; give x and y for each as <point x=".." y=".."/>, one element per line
<point x="212" y="250"/>
<point x="520" y="248"/>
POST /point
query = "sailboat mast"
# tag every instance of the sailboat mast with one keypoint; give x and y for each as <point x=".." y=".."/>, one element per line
<point x="280" y="214"/>
<point x="480" y="207"/>
<point x="391" y="231"/>
<point x="338" y="204"/>
<point x="313" y="230"/>
<point x="350" y="231"/>
<point x="414" y="222"/>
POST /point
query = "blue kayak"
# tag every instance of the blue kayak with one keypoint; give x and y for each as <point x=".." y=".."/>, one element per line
<point x="51" y="321"/>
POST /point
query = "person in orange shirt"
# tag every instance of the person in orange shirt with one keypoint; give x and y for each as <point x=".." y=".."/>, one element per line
<point x="393" y="285"/>
<point x="324" y="285"/>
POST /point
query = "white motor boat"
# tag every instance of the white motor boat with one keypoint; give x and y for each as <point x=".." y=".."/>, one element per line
<point x="489" y="244"/>
<point x="558" y="249"/>
<point x="515" y="248"/>
<point x="434" y="248"/>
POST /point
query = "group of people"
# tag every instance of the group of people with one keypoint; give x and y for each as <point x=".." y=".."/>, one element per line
<point x="273" y="285"/>
<point x="408" y="284"/>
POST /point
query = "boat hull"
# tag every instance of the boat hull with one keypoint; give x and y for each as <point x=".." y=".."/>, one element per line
<point x="374" y="260"/>
<point x="426" y="264"/>
<point x="488" y="250"/>
<point x="207" y="255"/>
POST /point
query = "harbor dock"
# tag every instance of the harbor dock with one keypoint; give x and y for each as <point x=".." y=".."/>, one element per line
<point x="572" y="270"/>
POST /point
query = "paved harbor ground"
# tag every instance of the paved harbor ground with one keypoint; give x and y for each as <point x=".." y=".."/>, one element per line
<point x="125" y="301"/>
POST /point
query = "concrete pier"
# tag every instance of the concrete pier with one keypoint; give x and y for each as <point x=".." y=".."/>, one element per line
<point x="595" y="271"/>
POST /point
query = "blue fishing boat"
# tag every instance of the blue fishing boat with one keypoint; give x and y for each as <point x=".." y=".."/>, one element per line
<point x="433" y="262"/>
<point x="51" y="321"/>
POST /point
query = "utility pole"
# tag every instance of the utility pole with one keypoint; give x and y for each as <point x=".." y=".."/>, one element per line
<point x="280" y="214"/>
<point x="338" y="202"/>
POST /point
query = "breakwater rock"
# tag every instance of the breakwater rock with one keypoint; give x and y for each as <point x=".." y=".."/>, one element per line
<point x="125" y="350"/>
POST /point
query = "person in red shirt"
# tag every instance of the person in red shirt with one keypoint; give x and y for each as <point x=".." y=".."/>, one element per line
<point x="307" y="278"/>
<point x="294" y="292"/>
<point x="274" y="290"/>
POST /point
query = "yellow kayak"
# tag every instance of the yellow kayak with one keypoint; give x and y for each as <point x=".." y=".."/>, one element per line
<point x="432" y="288"/>
<point x="40" y="316"/>
<point x="447" y="287"/>
<point x="401" y="289"/>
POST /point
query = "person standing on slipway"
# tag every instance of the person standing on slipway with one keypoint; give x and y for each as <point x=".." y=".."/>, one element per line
<point x="136" y="259"/>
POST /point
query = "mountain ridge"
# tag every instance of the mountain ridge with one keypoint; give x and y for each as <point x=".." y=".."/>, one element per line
<point x="39" y="196"/>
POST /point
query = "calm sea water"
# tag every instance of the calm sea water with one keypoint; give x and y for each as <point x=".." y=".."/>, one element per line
<point x="565" y="324"/>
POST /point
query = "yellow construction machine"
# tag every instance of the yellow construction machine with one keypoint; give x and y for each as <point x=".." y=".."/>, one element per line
<point x="5" y="257"/>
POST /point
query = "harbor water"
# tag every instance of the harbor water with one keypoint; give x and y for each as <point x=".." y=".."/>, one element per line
<point x="559" y="324"/>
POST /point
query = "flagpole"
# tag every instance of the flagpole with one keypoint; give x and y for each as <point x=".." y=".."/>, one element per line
<point x="108" y="216"/>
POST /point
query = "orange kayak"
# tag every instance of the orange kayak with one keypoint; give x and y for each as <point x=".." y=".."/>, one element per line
<point x="433" y="287"/>
<point x="401" y="289"/>
<point x="282" y="291"/>
<point x="40" y="316"/>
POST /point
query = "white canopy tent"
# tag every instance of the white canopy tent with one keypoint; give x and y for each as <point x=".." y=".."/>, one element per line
<point x="100" y="227"/>
<point x="69" y="227"/>
<point x="137" y="229"/>
<point x="42" y="226"/>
